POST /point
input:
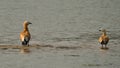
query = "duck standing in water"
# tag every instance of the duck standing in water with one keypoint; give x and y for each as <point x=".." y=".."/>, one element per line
<point x="25" y="34"/>
<point x="103" y="39"/>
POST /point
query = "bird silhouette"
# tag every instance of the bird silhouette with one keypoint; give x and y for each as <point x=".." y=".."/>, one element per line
<point x="25" y="34"/>
<point x="103" y="39"/>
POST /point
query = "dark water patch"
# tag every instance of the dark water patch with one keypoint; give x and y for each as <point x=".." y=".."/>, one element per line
<point x="104" y="48"/>
<point x="73" y="55"/>
<point x="96" y="65"/>
<point x="66" y="47"/>
<point x="4" y="48"/>
<point x="15" y="48"/>
<point x="67" y="39"/>
<point x="37" y="46"/>
<point x="51" y="46"/>
<point x="91" y="65"/>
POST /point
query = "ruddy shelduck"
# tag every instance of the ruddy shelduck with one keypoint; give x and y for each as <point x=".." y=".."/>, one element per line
<point x="25" y="34"/>
<point x="104" y="39"/>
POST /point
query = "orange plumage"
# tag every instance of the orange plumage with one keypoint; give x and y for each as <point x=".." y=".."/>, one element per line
<point x="25" y="34"/>
<point x="103" y="39"/>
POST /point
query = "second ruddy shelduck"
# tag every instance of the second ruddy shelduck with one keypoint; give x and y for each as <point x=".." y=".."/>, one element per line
<point x="103" y="39"/>
<point x="25" y="34"/>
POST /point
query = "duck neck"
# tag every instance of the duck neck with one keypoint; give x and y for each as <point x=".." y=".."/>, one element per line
<point x="104" y="33"/>
<point x="26" y="28"/>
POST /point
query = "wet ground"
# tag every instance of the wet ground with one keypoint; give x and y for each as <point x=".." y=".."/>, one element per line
<point x="70" y="27"/>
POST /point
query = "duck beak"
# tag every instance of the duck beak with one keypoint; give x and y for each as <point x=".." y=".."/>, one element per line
<point x="29" y="23"/>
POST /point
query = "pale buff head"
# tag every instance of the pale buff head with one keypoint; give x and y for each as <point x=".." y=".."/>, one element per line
<point x="102" y="30"/>
<point x="26" y="23"/>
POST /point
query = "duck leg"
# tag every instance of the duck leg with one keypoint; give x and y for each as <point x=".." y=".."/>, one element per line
<point x="105" y="46"/>
<point x="102" y="46"/>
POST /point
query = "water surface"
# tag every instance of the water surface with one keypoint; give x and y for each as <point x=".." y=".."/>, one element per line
<point x="61" y="23"/>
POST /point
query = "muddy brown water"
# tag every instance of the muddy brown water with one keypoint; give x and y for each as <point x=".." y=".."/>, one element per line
<point x="68" y="29"/>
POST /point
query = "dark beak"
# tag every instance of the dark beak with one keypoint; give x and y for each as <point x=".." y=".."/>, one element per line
<point x="100" y="30"/>
<point x="29" y="23"/>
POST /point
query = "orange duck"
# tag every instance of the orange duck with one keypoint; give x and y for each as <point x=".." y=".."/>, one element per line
<point x="104" y="39"/>
<point x="25" y="34"/>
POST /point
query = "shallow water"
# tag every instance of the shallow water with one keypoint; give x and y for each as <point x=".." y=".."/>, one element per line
<point x="61" y="23"/>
